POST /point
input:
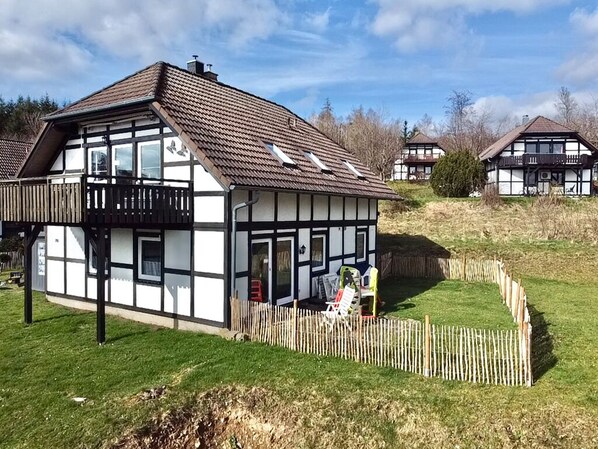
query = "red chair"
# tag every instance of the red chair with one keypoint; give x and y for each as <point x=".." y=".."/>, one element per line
<point x="256" y="291"/>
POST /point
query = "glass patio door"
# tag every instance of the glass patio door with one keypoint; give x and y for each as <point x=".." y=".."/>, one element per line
<point x="262" y="270"/>
<point x="284" y="270"/>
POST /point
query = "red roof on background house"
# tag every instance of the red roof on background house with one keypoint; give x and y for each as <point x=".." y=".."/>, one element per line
<point x="227" y="130"/>
<point x="12" y="155"/>
<point x="537" y="126"/>
<point x="422" y="139"/>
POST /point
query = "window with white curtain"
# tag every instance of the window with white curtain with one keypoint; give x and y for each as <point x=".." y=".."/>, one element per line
<point x="150" y="258"/>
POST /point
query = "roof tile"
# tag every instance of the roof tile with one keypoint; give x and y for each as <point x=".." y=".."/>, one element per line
<point x="12" y="154"/>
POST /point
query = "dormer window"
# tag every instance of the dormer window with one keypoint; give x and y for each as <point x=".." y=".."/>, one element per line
<point x="317" y="162"/>
<point x="280" y="155"/>
<point x="353" y="170"/>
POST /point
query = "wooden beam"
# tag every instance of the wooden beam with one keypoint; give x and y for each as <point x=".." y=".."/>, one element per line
<point x="101" y="286"/>
<point x="31" y="234"/>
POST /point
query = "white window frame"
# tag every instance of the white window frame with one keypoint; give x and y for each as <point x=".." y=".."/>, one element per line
<point x="365" y="247"/>
<point x="90" y="171"/>
<point x="311" y="244"/>
<point x="318" y="163"/>
<point x="353" y="170"/>
<point x="280" y="155"/>
<point x="114" y="161"/>
<point x="140" y="146"/>
<point x="90" y="268"/>
<point x="140" y="275"/>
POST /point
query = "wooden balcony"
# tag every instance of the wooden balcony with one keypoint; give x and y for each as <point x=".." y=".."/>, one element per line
<point x="420" y="158"/>
<point x="419" y="176"/>
<point x="97" y="201"/>
<point x="546" y="160"/>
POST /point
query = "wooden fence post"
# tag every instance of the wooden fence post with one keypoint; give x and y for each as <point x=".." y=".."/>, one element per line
<point x="464" y="268"/>
<point x="295" y="307"/>
<point x="427" y="370"/>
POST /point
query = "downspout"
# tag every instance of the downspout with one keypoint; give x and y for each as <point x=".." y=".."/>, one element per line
<point x="234" y="240"/>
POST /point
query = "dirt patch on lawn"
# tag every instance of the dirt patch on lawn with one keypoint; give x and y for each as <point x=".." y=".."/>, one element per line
<point x="231" y="417"/>
<point x="238" y="417"/>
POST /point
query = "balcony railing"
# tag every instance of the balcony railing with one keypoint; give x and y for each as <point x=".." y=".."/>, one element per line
<point x="97" y="200"/>
<point x="418" y="176"/>
<point x="421" y="158"/>
<point x="545" y="160"/>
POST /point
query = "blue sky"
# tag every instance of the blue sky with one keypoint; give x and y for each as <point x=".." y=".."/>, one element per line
<point x="402" y="56"/>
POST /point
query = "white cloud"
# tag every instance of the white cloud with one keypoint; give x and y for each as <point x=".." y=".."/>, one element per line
<point x="66" y="34"/>
<point x="422" y="24"/>
<point x="321" y="64"/>
<point x="318" y="22"/>
<point x="500" y="107"/>
<point x="582" y="67"/>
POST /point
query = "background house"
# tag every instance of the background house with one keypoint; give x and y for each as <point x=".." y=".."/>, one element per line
<point x="540" y="156"/>
<point x="12" y="155"/>
<point x="186" y="189"/>
<point x="417" y="159"/>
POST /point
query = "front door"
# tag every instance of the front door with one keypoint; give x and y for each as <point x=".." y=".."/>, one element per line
<point x="272" y="278"/>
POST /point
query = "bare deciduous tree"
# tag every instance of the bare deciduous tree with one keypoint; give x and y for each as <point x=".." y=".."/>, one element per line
<point x="566" y="107"/>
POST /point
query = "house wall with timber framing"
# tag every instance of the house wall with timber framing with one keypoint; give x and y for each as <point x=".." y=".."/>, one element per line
<point x="416" y="162"/>
<point x="562" y="164"/>
<point x="189" y="284"/>
<point x="194" y="280"/>
<point x="343" y="227"/>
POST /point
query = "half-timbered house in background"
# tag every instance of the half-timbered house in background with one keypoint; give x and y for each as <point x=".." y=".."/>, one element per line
<point x="538" y="157"/>
<point x="168" y="190"/>
<point x="417" y="159"/>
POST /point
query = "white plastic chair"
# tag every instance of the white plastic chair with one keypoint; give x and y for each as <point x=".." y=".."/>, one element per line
<point x="341" y="311"/>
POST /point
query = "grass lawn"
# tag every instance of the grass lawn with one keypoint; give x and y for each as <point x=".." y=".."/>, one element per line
<point x="472" y="304"/>
<point x="317" y="402"/>
<point x="324" y="399"/>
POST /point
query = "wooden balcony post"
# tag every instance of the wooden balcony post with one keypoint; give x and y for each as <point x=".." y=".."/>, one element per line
<point x="101" y="287"/>
<point x="31" y="234"/>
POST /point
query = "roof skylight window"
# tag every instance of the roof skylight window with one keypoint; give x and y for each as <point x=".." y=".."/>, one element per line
<point x="280" y="155"/>
<point x="316" y="160"/>
<point x="353" y="170"/>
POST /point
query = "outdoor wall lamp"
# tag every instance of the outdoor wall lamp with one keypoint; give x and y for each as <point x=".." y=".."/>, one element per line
<point x="302" y="249"/>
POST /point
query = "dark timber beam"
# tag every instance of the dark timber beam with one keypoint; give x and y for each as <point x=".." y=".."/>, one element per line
<point x="31" y="234"/>
<point x="101" y="292"/>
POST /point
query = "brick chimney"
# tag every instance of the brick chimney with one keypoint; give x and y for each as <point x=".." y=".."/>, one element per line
<point x="195" y="66"/>
<point x="199" y="68"/>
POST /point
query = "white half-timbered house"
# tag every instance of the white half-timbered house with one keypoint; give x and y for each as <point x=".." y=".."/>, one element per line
<point x="539" y="157"/>
<point x="417" y="159"/>
<point x="184" y="190"/>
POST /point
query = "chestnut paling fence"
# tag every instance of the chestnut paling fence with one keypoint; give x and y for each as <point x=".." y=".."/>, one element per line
<point x="449" y="352"/>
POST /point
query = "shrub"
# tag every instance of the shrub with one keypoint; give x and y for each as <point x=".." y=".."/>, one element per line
<point x="458" y="174"/>
<point x="9" y="244"/>
<point x="491" y="198"/>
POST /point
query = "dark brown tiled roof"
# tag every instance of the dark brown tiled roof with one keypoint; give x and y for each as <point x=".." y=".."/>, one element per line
<point x="422" y="139"/>
<point x="12" y="154"/>
<point x="140" y="86"/>
<point x="537" y="126"/>
<point x="227" y="129"/>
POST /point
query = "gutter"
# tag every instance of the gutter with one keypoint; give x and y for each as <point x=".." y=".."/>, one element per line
<point x="234" y="240"/>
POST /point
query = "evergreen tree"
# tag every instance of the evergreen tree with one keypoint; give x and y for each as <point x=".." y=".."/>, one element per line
<point x="458" y="174"/>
